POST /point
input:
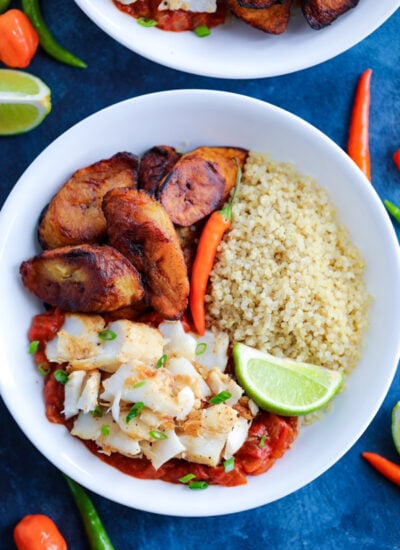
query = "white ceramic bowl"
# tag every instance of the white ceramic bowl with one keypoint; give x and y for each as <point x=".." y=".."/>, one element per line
<point x="236" y="50"/>
<point x="186" y="119"/>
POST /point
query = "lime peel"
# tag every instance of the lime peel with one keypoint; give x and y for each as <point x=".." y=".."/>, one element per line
<point x="25" y="100"/>
<point x="284" y="386"/>
<point x="396" y="426"/>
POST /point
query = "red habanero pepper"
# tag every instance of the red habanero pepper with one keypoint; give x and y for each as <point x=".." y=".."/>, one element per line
<point x="18" y="39"/>
<point x="358" y="143"/>
<point x="396" y="158"/>
<point x="389" y="469"/>
<point x="210" y="238"/>
<point x="38" y="532"/>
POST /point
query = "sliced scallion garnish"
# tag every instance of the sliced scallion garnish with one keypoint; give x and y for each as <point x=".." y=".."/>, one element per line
<point x="107" y="335"/>
<point x="200" y="348"/>
<point x="139" y="384"/>
<point x="161" y="362"/>
<point x="262" y="441"/>
<point x="201" y="31"/>
<point x="135" y="410"/>
<point x="44" y="369"/>
<point x="221" y="397"/>
<point x="105" y="429"/>
<point x="156" y="434"/>
<point x="97" y="412"/>
<point x="61" y="376"/>
<point x="187" y="478"/>
<point x="146" y="22"/>
<point x="229" y="465"/>
<point x="198" y="485"/>
<point x="33" y="347"/>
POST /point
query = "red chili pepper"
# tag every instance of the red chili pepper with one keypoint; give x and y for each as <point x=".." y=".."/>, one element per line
<point x="358" y="144"/>
<point x="396" y="158"/>
<point x="18" y="39"/>
<point x="38" y="532"/>
<point x="211" y="236"/>
<point x="389" y="469"/>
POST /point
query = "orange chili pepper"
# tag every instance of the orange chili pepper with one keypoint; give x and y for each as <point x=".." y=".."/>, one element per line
<point x="389" y="469"/>
<point x="38" y="532"/>
<point x="210" y="238"/>
<point x="18" y="39"/>
<point x="396" y="158"/>
<point x="358" y="143"/>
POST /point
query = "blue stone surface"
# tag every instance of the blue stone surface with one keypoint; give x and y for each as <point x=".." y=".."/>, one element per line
<point x="350" y="506"/>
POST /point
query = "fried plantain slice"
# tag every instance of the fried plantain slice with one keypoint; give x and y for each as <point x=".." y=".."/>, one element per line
<point x="154" y="166"/>
<point x="320" y="13"/>
<point x="85" y="278"/>
<point x="200" y="182"/>
<point x="139" y="227"/>
<point x="272" y="20"/>
<point x="259" y="4"/>
<point x="74" y="215"/>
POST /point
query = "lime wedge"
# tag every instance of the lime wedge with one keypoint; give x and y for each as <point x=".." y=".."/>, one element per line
<point x="284" y="386"/>
<point x="396" y="426"/>
<point x="25" y="100"/>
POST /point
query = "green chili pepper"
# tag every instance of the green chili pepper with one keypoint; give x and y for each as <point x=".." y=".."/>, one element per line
<point x="393" y="210"/>
<point x="4" y="5"/>
<point x="47" y="41"/>
<point x="98" y="538"/>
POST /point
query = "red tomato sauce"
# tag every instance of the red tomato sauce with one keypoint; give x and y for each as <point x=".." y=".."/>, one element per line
<point x="173" y="20"/>
<point x="269" y="436"/>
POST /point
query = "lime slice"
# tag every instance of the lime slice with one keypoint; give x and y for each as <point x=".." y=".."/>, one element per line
<point x="284" y="386"/>
<point x="25" y="100"/>
<point x="396" y="426"/>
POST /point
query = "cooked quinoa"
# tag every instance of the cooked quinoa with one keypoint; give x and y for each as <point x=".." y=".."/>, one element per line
<point x="287" y="278"/>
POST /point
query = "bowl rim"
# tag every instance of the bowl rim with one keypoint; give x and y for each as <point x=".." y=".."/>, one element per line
<point x="171" y="56"/>
<point x="247" y="503"/>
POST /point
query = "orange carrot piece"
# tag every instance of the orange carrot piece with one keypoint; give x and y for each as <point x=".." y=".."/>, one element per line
<point x="38" y="532"/>
<point x="358" y="143"/>
<point x="386" y="467"/>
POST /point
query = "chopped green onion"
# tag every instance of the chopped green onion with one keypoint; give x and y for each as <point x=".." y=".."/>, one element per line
<point x="107" y="335"/>
<point x="393" y="210"/>
<point x="161" y="362"/>
<point x="139" y="384"/>
<point x="135" y="410"/>
<point x="186" y="478"/>
<point x="198" y="485"/>
<point x="202" y="30"/>
<point x="156" y="434"/>
<point x="200" y="348"/>
<point x="220" y="397"/>
<point x="61" y="376"/>
<point x="105" y="429"/>
<point x="44" y="369"/>
<point x="262" y="441"/>
<point x="33" y="346"/>
<point x="146" y="22"/>
<point x="229" y="465"/>
<point x="97" y="412"/>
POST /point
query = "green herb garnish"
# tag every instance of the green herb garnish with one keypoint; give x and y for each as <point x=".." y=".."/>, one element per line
<point x="156" y="434"/>
<point x="107" y="335"/>
<point x="200" y="348"/>
<point x="135" y="410"/>
<point x="146" y="22"/>
<point x="61" y="376"/>
<point x="221" y="397"/>
<point x="33" y="347"/>
<point x="202" y="30"/>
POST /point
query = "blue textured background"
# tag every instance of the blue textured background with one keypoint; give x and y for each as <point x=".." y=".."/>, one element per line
<point x="350" y="506"/>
